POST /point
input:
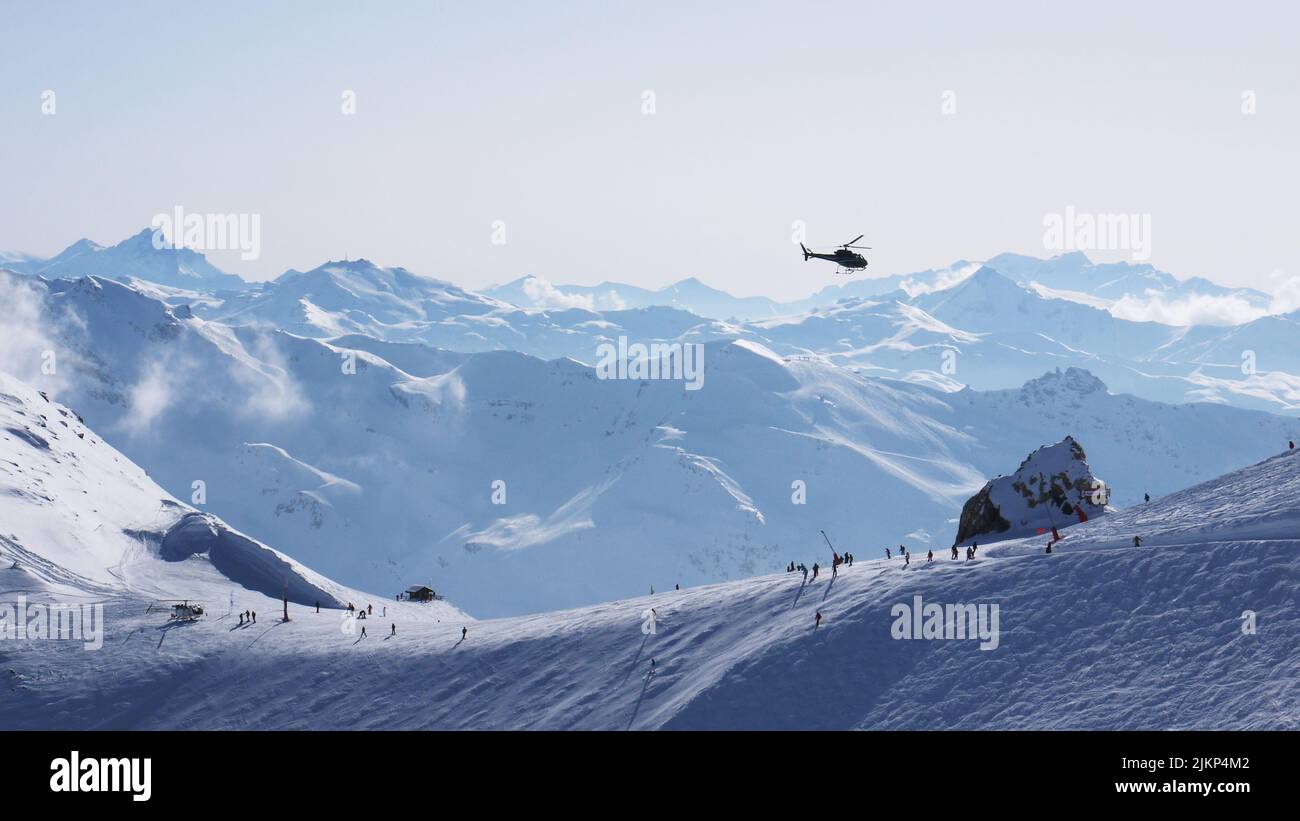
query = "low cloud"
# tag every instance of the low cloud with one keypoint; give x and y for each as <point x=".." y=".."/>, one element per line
<point x="30" y="342"/>
<point x="543" y="294"/>
<point x="1286" y="292"/>
<point x="943" y="281"/>
<point x="1209" y="310"/>
<point x="610" y="301"/>
<point x="271" y="391"/>
<point x="1193" y="310"/>
<point x="150" y="397"/>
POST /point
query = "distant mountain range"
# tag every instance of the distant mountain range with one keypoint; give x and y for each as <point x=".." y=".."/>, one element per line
<point x="989" y="326"/>
<point x="1120" y="286"/>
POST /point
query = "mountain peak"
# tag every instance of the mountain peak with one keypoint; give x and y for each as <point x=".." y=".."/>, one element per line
<point x="986" y="281"/>
<point x="694" y="284"/>
<point x="79" y="247"/>
<point x="1076" y="381"/>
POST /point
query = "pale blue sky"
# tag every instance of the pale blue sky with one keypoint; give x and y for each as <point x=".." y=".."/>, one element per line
<point x="767" y="113"/>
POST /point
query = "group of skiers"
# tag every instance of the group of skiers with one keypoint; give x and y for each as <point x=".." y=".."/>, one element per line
<point x="802" y="568"/>
<point x="971" y="550"/>
<point x="368" y="610"/>
<point x="846" y="559"/>
<point x="250" y="617"/>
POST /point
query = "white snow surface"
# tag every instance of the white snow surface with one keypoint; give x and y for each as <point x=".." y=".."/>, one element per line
<point x="1098" y="635"/>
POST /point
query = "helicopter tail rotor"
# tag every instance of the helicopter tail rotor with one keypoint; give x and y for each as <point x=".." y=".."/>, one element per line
<point x="807" y="255"/>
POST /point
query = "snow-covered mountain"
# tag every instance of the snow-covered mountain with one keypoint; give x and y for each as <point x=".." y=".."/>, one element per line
<point x="989" y="327"/>
<point x="1099" y="635"/>
<point x="690" y="295"/>
<point x="355" y="296"/>
<point x="77" y="518"/>
<point x="1110" y="285"/>
<point x="387" y="472"/>
<point x="985" y="331"/>
<point x="135" y="257"/>
<point x="395" y="305"/>
<point x="1128" y="290"/>
<point x="694" y="296"/>
<point x="991" y="333"/>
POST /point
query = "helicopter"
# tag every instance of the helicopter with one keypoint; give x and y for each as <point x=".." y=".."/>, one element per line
<point x="183" y="610"/>
<point x="848" y="261"/>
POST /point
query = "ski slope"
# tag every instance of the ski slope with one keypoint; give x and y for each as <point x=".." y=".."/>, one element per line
<point x="1097" y="635"/>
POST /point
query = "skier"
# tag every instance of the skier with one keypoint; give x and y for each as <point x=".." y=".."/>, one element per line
<point x="241" y="619"/>
<point x="254" y="617"/>
<point x="929" y="556"/>
<point x="954" y="551"/>
<point x="907" y="558"/>
<point x="816" y="567"/>
<point x="370" y="610"/>
<point x="464" y="631"/>
<point x="1146" y="497"/>
<point x="652" y="665"/>
<point x="818" y="622"/>
<point x="384" y="615"/>
<point x="652" y="590"/>
<point x="363" y="631"/>
<point x="317" y="607"/>
<point x="974" y="548"/>
<point x="804" y="568"/>
<point x="970" y="554"/>
<point x="394" y="633"/>
<point x="1137" y="541"/>
<point x="677" y="586"/>
<point x="888" y="555"/>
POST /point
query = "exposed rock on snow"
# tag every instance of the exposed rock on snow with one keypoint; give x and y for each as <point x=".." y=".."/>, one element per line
<point x="1052" y="488"/>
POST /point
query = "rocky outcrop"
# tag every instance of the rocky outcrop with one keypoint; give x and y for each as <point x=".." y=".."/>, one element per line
<point x="1054" y="487"/>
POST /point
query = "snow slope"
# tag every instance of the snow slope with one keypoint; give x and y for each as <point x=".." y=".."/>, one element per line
<point x="1096" y="636"/>
<point x="385" y="477"/>
<point x="78" y="518"/>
